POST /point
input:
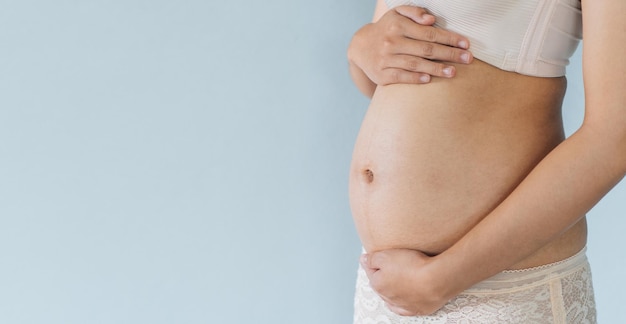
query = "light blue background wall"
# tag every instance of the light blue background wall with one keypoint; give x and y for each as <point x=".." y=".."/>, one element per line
<point x="186" y="162"/>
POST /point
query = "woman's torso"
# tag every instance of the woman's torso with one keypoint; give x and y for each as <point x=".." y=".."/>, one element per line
<point x="432" y="160"/>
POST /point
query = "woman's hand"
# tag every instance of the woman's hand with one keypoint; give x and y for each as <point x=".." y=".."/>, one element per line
<point x="403" y="47"/>
<point x="405" y="280"/>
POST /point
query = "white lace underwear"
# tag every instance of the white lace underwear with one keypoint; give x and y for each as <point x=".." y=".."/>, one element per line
<point x="557" y="293"/>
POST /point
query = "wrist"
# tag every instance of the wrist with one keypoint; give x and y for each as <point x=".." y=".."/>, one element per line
<point x="446" y="277"/>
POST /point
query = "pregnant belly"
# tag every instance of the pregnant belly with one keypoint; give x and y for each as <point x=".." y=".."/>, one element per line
<point x="422" y="174"/>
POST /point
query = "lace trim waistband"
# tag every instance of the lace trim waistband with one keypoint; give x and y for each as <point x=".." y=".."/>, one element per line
<point x="509" y="279"/>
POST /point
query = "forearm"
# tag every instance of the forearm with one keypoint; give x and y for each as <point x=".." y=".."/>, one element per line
<point x="554" y="196"/>
<point x="558" y="192"/>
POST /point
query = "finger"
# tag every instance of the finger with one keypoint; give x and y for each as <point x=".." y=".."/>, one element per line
<point x="417" y="14"/>
<point x="394" y="75"/>
<point x="420" y="65"/>
<point x="378" y="259"/>
<point x="429" y="50"/>
<point x="435" y="35"/>
<point x="399" y="310"/>
<point x="365" y="260"/>
<point x="365" y="264"/>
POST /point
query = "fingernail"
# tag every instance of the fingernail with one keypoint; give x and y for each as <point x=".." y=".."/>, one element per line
<point x="465" y="57"/>
<point x="463" y="44"/>
<point x="447" y="71"/>
<point x="425" y="78"/>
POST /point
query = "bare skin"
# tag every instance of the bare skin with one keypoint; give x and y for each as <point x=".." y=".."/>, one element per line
<point x="410" y="51"/>
<point x="456" y="180"/>
<point x="432" y="160"/>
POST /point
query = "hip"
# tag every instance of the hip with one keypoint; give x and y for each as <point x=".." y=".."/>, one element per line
<point x="559" y="292"/>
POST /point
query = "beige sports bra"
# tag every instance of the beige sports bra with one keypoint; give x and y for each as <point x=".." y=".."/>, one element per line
<point x="532" y="37"/>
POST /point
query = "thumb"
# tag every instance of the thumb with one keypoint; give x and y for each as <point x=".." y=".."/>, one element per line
<point x="417" y="14"/>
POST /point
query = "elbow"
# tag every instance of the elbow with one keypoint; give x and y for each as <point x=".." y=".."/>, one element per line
<point x="610" y="137"/>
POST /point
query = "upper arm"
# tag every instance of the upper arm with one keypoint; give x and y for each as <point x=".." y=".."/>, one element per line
<point x="604" y="65"/>
<point x="381" y="8"/>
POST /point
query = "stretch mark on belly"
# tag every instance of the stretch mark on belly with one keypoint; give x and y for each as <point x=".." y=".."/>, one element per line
<point x="369" y="175"/>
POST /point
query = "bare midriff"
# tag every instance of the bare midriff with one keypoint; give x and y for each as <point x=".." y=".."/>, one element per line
<point x="433" y="160"/>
